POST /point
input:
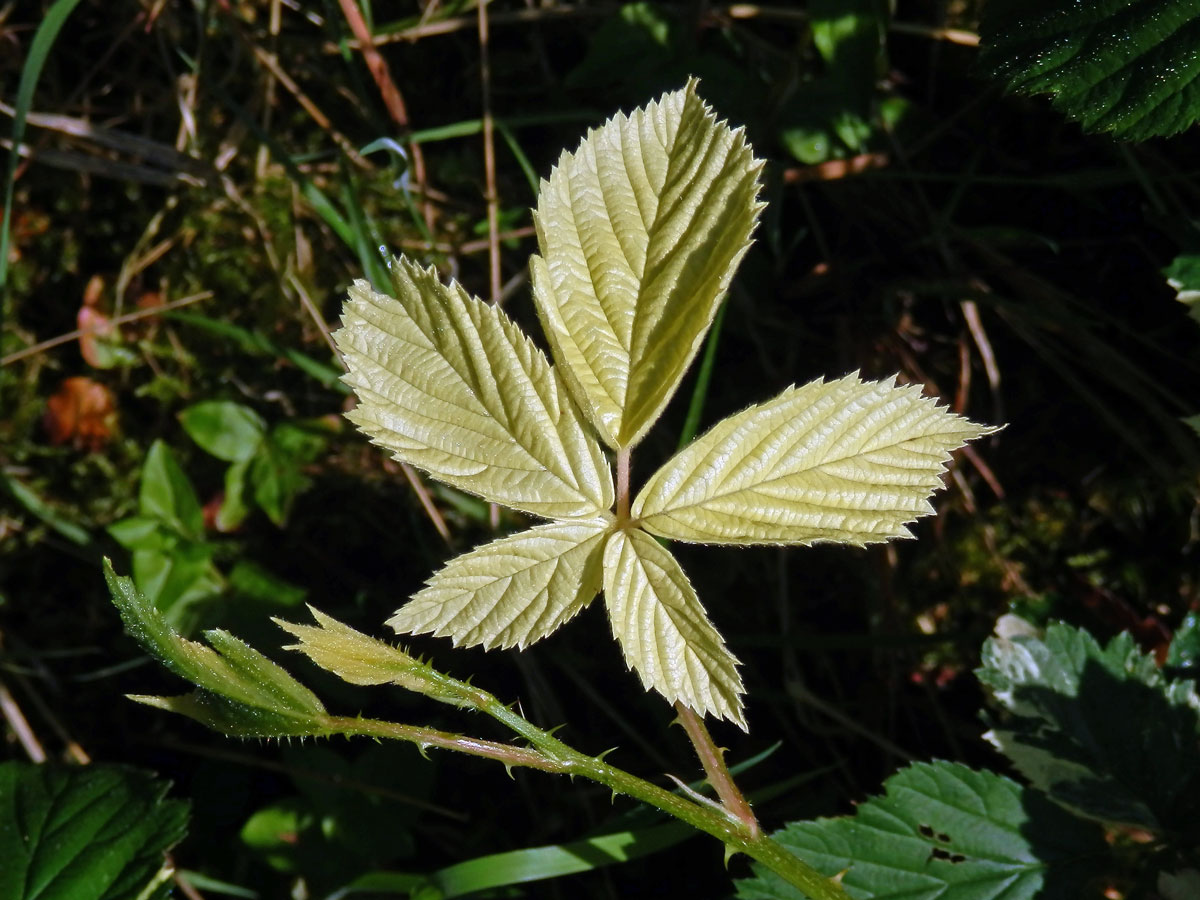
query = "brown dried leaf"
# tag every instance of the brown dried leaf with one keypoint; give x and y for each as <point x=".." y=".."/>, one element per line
<point x="81" y="412"/>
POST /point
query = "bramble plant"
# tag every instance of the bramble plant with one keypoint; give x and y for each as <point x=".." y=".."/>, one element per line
<point x="640" y="231"/>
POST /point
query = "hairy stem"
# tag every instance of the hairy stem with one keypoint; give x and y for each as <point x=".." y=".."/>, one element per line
<point x="712" y="758"/>
<point x="428" y="737"/>
<point x="736" y="830"/>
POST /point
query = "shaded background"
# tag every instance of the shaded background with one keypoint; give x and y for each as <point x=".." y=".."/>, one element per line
<point x="920" y="223"/>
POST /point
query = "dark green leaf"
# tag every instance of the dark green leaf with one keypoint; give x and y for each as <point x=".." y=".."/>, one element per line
<point x="140" y="533"/>
<point x="1129" y="67"/>
<point x="276" y="472"/>
<point x="301" y="442"/>
<point x="233" y="509"/>
<point x="944" y="832"/>
<point x="240" y="691"/>
<point x="1083" y="723"/>
<point x="228" y="431"/>
<point x="274" y="482"/>
<point x="1184" y="653"/>
<point x="177" y="576"/>
<point x="849" y="36"/>
<point x="166" y="493"/>
<point x="816" y="123"/>
<point x="92" y="833"/>
<point x="252" y="580"/>
<point x="627" y="48"/>
<point x="1183" y="274"/>
<point x="273" y="833"/>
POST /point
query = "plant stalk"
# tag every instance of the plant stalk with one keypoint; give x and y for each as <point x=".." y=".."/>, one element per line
<point x="727" y="826"/>
<point x="623" y="465"/>
<point x="712" y="758"/>
<point x="427" y="737"/>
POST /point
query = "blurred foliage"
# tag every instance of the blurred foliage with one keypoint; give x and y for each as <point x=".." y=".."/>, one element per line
<point x="920" y="221"/>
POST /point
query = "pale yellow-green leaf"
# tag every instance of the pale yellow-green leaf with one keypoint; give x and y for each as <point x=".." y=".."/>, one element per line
<point x="349" y="654"/>
<point x="846" y="461"/>
<point x="663" y="631"/>
<point x="640" y="231"/>
<point x="449" y="384"/>
<point x="361" y="659"/>
<point x="513" y="591"/>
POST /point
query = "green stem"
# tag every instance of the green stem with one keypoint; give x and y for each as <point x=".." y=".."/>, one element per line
<point x="428" y="737"/>
<point x="722" y="824"/>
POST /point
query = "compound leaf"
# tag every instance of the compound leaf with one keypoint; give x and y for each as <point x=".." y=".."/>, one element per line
<point x="513" y="591"/>
<point x="663" y="631"/>
<point x="449" y="384"/>
<point x="640" y="231"/>
<point x="239" y="691"/>
<point x="1129" y="67"/>
<point x="1083" y="719"/>
<point x="846" y="461"/>
<point x="944" y="832"/>
<point x="95" y="832"/>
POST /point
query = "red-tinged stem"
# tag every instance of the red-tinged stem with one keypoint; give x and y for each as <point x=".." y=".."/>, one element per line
<point x="623" y="463"/>
<point x="428" y="737"/>
<point x="712" y="758"/>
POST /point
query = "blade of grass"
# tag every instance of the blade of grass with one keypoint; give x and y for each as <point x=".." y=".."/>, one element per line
<point x="510" y="139"/>
<point x="367" y="242"/>
<point x="691" y="424"/>
<point x="253" y="342"/>
<point x="31" y="71"/>
<point x="40" y="508"/>
<point x="555" y="860"/>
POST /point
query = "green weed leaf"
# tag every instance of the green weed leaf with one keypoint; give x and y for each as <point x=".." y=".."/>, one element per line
<point x="847" y="461"/>
<point x="87" y="833"/>
<point x="640" y="232"/>
<point x="239" y="691"/>
<point x="449" y="384"/>
<point x="1084" y="720"/>
<point x="1183" y="275"/>
<point x="166" y="493"/>
<point x="513" y="591"/>
<point x="228" y="431"/>
<point x="1129" y="67"/>
<point x="944" y="832"/>
<point x="663" y="631"/>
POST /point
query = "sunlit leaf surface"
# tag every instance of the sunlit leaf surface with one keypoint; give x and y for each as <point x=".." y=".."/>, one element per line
<point x="450" y="384"/>
<point x="847" y="461"/>
<point x="513" y="591"/>
<point x="640" y="232"/>
<point x="661" y="626"/>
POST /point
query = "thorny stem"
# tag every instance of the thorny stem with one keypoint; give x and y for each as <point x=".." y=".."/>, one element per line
<point x="712" y="758"/>
<point x="549" y="754"/>
<point x="428" y="737"/>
